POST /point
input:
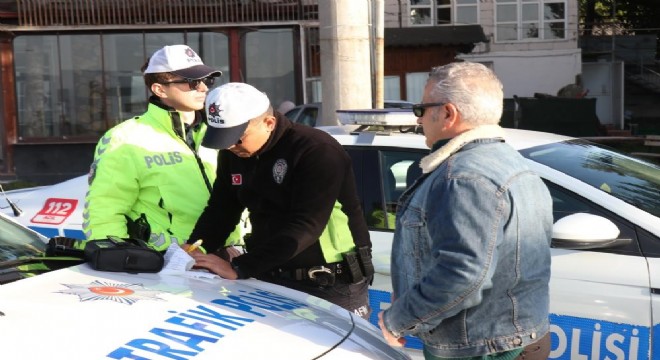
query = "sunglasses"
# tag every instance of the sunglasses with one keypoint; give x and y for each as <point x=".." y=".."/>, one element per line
<point x="193" y="84"/>
<point x="420" y="109"/>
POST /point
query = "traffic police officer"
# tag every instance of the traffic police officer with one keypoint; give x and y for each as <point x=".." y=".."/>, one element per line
<point x="297" y="182"/>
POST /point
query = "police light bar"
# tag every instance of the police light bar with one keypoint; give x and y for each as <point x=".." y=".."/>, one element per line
<point x="382" y="117"/>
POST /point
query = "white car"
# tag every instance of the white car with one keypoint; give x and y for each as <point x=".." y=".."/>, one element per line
<point x="605" y="283"/>
<point x="80" y="313"/>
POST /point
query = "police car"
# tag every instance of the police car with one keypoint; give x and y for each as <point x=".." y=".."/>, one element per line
<point x="605" y="267"/>
<point x="75" y="312"/>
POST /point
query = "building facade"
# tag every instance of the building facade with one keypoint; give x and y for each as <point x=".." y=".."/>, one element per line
<point x="70" y="69"/>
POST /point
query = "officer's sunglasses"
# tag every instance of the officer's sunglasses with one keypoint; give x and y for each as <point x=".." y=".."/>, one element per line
<point x="420" y="109"/>
<point x="193" y="84"/>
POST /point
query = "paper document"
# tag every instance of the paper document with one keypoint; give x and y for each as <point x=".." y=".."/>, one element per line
<point x="179" y="262"/>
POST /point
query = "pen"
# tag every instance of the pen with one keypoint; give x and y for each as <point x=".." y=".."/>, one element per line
<point x="194" y="246"/>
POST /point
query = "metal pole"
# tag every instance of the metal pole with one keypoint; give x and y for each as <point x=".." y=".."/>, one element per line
<point x="379" y="52"/>
<point x="613" y="59"/>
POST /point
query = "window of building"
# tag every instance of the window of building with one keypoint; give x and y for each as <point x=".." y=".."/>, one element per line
<point x="126" y="95"/>
<point x="518" y="20"/>
<point x="443" y="12"/>
<point x="270" y="63"/>
<point x="415" y="83"/>
<point x="37" y="67"/>
<point x="76" y="86"/>
<point x="392" y="85"/>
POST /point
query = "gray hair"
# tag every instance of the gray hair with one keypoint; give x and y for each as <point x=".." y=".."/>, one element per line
<point x="472" y="87"/>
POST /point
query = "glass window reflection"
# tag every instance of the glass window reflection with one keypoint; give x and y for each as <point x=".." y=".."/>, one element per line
<point x="628" y="179"/>
<point x="123" y="55"/>
<point x="37" y="85"/>
<point x="82" y="86"/>
<point x="76" y="86"/>
<point x="270" y="63"/>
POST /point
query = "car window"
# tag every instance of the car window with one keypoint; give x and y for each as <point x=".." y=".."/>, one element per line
<point x="308" y="116"/>
<point x="17" y="241"/>
<point x="293" y="114"/>
<point x="565" y="202"/>
<point x="632" y="180"/>
<point x="398" y="170"/>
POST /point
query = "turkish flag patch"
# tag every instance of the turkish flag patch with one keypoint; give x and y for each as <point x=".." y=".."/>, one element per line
<point x="236" y="179"/>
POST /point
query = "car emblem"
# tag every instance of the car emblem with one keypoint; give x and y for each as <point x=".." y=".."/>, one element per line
<point x="121" y="293"/>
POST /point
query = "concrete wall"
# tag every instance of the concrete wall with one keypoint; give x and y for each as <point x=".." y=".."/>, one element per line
<point x="524" y="73"/>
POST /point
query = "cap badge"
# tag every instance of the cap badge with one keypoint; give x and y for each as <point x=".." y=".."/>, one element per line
<point x="214" y="114"/>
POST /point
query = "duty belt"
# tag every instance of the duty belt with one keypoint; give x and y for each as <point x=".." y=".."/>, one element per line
<point x="323" y="275"/>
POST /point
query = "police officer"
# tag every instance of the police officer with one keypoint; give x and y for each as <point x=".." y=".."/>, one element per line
<point x="297" y="182"/>
<point x="150" y="177"/>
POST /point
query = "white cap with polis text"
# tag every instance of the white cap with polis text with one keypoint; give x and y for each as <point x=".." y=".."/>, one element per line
<point x="180" y="60"/>
<point x="229" y="108"/>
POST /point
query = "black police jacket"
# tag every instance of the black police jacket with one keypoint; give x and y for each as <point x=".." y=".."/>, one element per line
<point x="289" y="188"/>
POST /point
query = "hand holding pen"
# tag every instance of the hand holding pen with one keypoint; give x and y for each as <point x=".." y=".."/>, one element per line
<point x="194" y="246"/>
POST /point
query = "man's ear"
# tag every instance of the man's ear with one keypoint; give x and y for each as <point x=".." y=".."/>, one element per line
<point x="450" y="110"/>
<point x="270" y="122"/>
<point x="451" y="115"/>
<point x="158" y="90"/>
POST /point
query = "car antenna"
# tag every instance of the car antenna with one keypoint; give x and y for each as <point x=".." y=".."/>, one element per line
<point x="17" y="211"/>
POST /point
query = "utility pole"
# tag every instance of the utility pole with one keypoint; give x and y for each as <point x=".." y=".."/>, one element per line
<point x="345" y="57"/>
<point x="378" y="31"/>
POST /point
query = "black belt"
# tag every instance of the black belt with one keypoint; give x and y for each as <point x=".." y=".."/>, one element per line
<point x="322" y="274"/>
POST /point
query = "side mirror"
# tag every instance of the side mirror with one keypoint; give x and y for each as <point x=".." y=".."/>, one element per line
<point x="582" y="231"/>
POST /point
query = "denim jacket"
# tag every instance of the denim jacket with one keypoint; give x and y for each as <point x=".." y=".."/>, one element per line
<point x="471" y="251"/>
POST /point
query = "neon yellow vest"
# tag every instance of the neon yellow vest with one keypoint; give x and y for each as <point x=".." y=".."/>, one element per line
<point x="142" y="167"/>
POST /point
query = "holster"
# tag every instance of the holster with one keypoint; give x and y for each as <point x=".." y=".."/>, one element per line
<point x="123" y="255"/>
<point x="351" y="265"/>
<point x="358" y="264"/>
<point x="139" y="228"/>
<point x="366" y="264"/>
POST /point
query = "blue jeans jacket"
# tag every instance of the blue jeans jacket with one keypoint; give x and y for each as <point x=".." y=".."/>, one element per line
<point x="471" y="251"/>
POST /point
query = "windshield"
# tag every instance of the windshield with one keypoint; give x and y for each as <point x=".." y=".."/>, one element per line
<point x="634" y="181"/>
<point x="17" y="241"/>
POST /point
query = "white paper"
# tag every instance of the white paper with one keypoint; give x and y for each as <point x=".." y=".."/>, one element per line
<point x="179" y="262"/>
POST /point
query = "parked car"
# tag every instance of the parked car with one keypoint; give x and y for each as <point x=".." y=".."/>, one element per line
<point x="75" y="312"/>
<point x="307" y="114"/>
<point x="606" y="251"/>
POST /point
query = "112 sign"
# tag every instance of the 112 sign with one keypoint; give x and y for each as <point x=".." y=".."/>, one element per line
<point x="55" y="211"/>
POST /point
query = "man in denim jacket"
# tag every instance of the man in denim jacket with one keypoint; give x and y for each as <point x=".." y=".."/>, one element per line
<point x="471" y="252"/>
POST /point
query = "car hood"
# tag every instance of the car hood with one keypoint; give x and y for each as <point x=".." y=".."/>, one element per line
<point x="53" y="210"/>
<point x="81" y="313"/>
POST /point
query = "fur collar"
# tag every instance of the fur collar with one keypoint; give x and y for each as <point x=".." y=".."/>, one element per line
<point x="434" y="159"/>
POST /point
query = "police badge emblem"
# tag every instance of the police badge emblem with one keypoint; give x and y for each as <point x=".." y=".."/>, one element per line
<point x="279" y="170"/>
